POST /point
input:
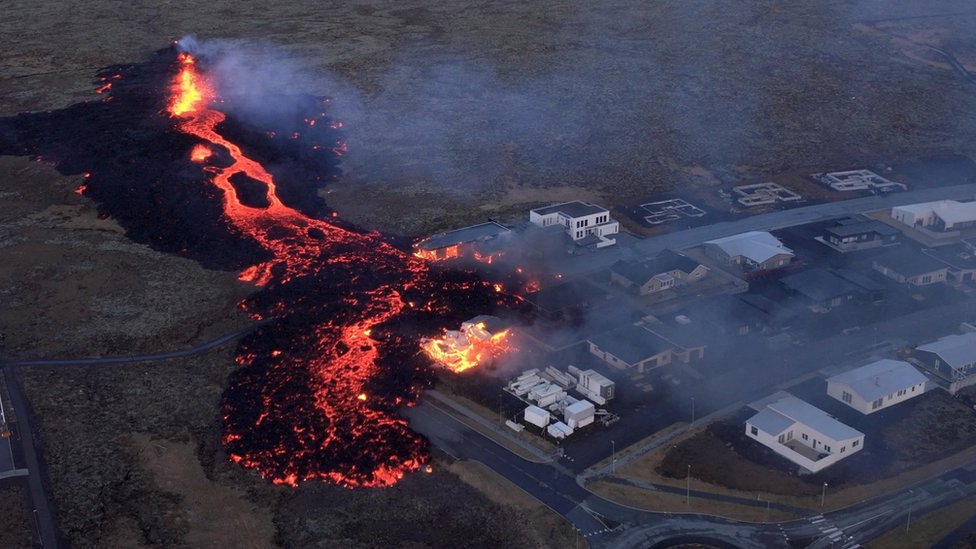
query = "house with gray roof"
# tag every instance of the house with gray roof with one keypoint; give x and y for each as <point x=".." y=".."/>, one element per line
<point x="859" y="233"/>
<point x="751" y="251"/>
<point x="632" y="347"/>
<point x="820" y="289"/>
<point x="877" y="385"/>
<point x="666" y="270"/>
<point x="953" y="358"/>
<point x="911" y="267"/>
<point x="803" y="433"/>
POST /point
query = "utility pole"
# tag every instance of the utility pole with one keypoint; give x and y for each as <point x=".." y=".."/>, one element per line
<point x="823" y="494"/>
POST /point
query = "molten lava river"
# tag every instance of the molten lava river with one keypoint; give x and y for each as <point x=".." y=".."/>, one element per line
<point x="321" y="382"/>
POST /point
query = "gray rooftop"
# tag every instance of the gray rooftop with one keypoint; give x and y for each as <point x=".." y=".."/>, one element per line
<point x="632" y="344"/>
<point x="473" y="233"/>
<point x="814" y="418"/>
<point x="666" y="261"/>
<point x="955" y="350"/>
<point x="819" y="284"/>
<point x="880" y="378"/>
<point x="576" y="208"/>
<point x="771" y="421"/>
<point x="861" y="227"/>
<point x="910" y="263"/>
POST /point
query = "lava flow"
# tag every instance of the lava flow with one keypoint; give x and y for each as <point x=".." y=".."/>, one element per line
<point x="322" y="380"/>
<point x="317" y="416"/>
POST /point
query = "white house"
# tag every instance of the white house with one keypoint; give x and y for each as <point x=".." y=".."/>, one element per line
<point x="803" y="434"/>
<point x="754" y="250"/>
<point x="581" y="220"/>
<point x="877" y="386"/>
<point x="941" y="216"/>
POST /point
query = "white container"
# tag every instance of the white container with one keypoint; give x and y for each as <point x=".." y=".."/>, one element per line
<point x="537" y="416"/>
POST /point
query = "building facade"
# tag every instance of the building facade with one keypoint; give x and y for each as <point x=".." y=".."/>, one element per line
<point x="751" y="251"/>
<point x="803" y="434"/>
<point x="581" y="219"/>
<point x="878" y="385"/>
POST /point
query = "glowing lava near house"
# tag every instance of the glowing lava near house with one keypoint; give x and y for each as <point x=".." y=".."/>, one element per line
<point x="320" y="385"/>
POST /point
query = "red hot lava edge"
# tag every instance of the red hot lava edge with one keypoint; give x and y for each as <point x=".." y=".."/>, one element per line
<point x="320" y="412"/>
<point x="321" y="383"/>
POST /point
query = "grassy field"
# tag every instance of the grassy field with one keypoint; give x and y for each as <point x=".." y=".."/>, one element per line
<point x="925" y="530"/>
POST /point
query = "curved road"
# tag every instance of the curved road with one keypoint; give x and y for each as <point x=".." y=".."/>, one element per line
<point x="37" y="482"/>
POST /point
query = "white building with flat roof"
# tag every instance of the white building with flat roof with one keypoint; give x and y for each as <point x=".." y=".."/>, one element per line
<point x="581" y="220"/>
<point x="803" y="434"/>
<point x="878" y="385"/>
<point x="940" y="216"/>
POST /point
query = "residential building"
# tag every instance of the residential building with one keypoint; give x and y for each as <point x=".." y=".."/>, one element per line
<point x="941" y="216"/>
<point x="484" y="238"/>
<point x="952" y="358"/>
<point x="960" y="260"/>
<point x="821" y="289"/>
<point x="667" y="270"/>
<point x="859" y="233"/>
<point x="878" y="385"/>
<point x="803" y="433"/>
<point x="580" y="219"/>
<point x="751" y="251"/>
<point x="632" y="347"/>
<point x="910" y="267"/>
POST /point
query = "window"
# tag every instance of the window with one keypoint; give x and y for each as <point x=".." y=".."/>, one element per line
<point x="847" y="397"/>
<point x="913" y="388"/>
<point x="806" y="436"/>
<point x="782" y="439"/>
<point x="901" y="392"/>
<point x="855" y="443"/>
<point x="843" y="449"/>
<point x="877" y="404"/>
<point x="926" y="279"/>
<point x="826" y="448"/>
<point x="753" y="430"/>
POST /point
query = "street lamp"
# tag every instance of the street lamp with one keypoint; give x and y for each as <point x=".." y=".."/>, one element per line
<point x="688" y="486"/>
<point x="909" y="521"/>
<point x="613" y="457"/>
<point x="823" y="494"/>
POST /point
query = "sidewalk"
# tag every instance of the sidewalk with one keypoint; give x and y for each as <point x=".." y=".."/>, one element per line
<point x="484" y="424"/>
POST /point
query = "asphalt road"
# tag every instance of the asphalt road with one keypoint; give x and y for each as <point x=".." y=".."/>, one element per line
<point x="607" y="524"/>
<point x="43" y="514"/>
<point x="688" y="238"/>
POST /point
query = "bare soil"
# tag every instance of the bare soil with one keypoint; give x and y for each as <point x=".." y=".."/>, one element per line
<point x="17" y="531"/>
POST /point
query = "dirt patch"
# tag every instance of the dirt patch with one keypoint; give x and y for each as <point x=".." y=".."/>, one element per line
<point x="17" y="531"/>
<point x="215" y="515"/>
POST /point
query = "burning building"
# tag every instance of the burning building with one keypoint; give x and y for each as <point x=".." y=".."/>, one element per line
<point x="478" y="342"/>
<point x="484" y="240"/>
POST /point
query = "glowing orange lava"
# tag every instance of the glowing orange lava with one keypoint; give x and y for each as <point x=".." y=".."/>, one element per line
<point x="340" y="357"/>
<point x="468" y="348"/>
<point x="200" y="153"/>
